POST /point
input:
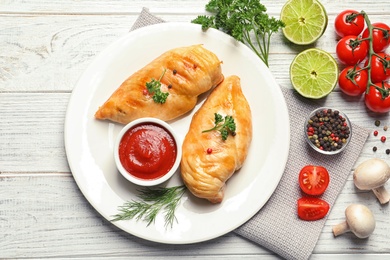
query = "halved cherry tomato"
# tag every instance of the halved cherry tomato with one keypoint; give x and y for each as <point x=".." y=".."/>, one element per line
<point x="380" y="67"/>
<point x="353" y="81"/>
<point x="374" y="99"/>
<point x="380" y="37"/>
<point x="313" y="180"/>
<point x="350" y="50"/>
<point x="312" y="208"/>
<point x="349" y="22"/>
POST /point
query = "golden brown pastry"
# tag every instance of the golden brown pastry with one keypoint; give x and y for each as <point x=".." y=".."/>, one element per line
<point x="207" y="160"/>
<point x="189" y="72"/>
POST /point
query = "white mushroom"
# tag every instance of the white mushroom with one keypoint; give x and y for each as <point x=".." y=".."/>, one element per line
<point x="372" y="175"/>
<point x="359" y="220"/>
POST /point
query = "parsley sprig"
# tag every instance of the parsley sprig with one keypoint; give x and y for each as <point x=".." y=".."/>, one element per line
<point x="154" y="87"/>
<point x="225" y="126"/>
<point x="240" y="19"/>
<point x="152" y="202"/>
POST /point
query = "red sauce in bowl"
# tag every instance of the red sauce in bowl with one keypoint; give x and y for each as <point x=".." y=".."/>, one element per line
<point x="147" y="151"/>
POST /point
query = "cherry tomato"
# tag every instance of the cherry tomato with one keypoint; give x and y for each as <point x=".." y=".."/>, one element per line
<point x="353" y="81"/>
<point x="350" y="50"/>
<point x="313" y="180"/>
<point x="312" y="208"/>
<point x="380" y="67"/>
<point x="374" y="100"/>
<point x="380" y="37"/>
<point x="349" y="22"/>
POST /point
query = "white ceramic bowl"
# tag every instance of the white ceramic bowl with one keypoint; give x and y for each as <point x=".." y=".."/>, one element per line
<point x="137" y="180"/>
<point x="311" y="139"/>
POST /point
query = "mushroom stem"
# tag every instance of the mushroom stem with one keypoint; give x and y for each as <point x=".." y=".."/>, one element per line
<point x="382" y="194"/>
<point x="341" y="228"/>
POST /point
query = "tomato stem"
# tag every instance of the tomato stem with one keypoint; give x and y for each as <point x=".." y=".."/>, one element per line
<point x="384" y="92"/>
<point x="351" y="17"/>
<point x="352" y="73"/>
<point x="370" y="50"/>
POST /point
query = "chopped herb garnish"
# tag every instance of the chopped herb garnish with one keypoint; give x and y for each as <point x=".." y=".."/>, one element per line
<point x="225" y="126"/>
<point x="154" y="87"/>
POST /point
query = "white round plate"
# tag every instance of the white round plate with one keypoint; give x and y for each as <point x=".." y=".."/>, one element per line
<point x="89" y="142"/>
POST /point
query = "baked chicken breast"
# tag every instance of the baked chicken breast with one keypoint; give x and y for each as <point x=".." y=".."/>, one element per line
<point x="184" y="73"/>
<point x="208" y="161"/>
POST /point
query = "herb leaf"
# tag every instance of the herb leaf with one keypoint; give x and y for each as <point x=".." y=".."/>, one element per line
<point x="240" y="19"/>
<point x="154" y="87"/>
<point x="152" y="202"/>
<point x="225" y="126"/>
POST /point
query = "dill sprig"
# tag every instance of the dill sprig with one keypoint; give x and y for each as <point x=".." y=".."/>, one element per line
<point x="152" y="202"/>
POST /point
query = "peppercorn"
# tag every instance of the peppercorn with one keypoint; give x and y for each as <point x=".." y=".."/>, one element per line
<point x="375" y="133"/>
<point x="374" y="148"/>
<point x="383" y="139"/>
<point x="385" y="128"/>
<point x="327" y="130"/>
<point x="387" y="151"/>
<point x="170" y="86"/>
<point x="209" y="150"/>
<point x="377" y="122"/>
<point x="174" y="72"/>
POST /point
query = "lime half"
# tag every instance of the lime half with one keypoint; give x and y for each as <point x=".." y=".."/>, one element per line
<point x="314" y="73"/>
<point x="305" y="20"/>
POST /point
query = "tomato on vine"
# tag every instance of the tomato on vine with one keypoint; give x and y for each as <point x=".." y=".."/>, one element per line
<point x="353" y="80"/>
<point x="369" y="48"/>
<point x="377" y="99"/>
<point x="351" y="50"/>
<point x="380" y="67"/>
<point x="380" y="36"/>
<point x="349" y="22"/>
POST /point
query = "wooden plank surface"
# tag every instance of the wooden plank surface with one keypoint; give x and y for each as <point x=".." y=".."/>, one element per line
<point x="45" y="47"/>
<point x="58" y="48"/>
<point x="46" y="215"/>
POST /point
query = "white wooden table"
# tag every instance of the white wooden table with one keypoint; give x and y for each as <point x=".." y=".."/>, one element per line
<point x="45" y="47"/>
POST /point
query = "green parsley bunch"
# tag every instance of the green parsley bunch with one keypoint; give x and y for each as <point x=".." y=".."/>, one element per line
<point x="240" y="19"/>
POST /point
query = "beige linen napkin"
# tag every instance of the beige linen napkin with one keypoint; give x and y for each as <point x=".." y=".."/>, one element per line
<point x="276" y="226"/>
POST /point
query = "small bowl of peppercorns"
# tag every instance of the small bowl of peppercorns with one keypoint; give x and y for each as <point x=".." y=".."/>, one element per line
<point x="328" y="130"/>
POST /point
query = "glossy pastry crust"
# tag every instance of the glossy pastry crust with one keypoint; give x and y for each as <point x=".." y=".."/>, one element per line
<point x="189" y="72"/>
<point x="205" y="173"/>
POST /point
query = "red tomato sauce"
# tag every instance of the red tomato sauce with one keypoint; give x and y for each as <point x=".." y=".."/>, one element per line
<point x="147" y="151"/>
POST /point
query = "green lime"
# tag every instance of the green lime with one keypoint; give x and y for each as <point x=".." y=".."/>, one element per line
<point x="305" y="20"/>
<point x="314" y="73"/>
